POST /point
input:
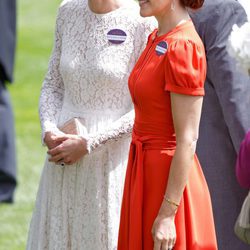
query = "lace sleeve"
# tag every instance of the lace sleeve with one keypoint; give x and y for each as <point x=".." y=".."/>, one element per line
<point x="52" y="91"/>
<point x="117" y="130"/>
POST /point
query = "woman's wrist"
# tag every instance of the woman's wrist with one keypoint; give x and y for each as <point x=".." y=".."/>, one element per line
<point x="84" y="144"/>
<point x="168" y="209"/>
<point x="171" y="202"/>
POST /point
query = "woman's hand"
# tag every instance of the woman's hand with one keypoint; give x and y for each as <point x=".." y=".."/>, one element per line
<point x="163" y="231"/>
<point x="50" y="140"/>
<point x="70" y="149"/>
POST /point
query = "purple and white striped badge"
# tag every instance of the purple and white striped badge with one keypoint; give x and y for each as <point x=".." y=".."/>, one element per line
<point x="117" y="36"/>
<point x="161" y="48"/>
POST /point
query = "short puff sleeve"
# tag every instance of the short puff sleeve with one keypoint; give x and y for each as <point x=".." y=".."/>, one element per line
<point x="185" y="68"/>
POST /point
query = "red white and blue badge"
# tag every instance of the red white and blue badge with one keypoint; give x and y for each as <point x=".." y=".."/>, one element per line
<point x="117" y="36"/>
<point x="161" y="48"/>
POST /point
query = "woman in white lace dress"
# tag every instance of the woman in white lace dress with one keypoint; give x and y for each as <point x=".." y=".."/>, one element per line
<point x="78" y="204"/>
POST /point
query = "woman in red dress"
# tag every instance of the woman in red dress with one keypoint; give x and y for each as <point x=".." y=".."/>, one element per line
<point x="166" y="202"/>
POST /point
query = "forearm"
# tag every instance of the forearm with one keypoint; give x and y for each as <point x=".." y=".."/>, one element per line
<point x="49" y="107"/>
<point x="115" y="131"/>
<point x="52" y="92"/>
<point x="179" y="170"/>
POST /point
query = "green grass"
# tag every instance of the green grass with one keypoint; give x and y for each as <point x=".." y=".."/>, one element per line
<point x="36" y="20"/>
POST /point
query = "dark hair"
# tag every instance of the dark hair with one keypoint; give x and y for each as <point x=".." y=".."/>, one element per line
<point x="193" y="4"/>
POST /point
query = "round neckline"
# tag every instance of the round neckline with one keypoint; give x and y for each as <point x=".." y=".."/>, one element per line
<point x="105" y="14"/>
<point x="175" y="29"/>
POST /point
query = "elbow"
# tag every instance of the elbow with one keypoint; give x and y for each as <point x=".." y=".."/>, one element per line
<point x="187" y="143"/>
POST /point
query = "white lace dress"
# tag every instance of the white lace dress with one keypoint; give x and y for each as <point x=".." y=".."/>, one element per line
<point x="78" y="206"/>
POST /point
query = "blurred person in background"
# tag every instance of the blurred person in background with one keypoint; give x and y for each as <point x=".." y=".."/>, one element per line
<point x="239" y="48"/>
<point x="97" y="43"/>
<point x="225" y="116"/>
<point x="7" y="134"/>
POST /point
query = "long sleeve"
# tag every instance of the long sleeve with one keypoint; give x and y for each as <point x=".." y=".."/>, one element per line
<point x="52" y="91"/>
<point x="118" y="129"/>
<point x="231" y="86"/>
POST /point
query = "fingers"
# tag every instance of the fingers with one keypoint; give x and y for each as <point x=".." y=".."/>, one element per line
<point x="157" y="245"/>
<point x="57" y="159"/>
<point x="165" y="246"/>
<point x="50" y="141"/>
<point x="68" y="151"/>
<point x="57" y="154"/>
<point x="55" y="151"/>
<point x="60" y="138"/>
<point x="163" y="242"/>
<point x="158" y="238"/>
<point x="68" y="161"/>
<point x="171" y="243"/>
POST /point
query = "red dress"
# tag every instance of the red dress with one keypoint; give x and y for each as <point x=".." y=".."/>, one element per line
<point x="174" y="62"/>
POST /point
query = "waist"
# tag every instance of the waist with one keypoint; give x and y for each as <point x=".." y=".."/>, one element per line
<point x="154" y="128"/>
<point x="82" y="110"/>
<point x="149" y="141"/>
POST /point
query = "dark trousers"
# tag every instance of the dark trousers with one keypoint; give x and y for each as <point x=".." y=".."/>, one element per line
<point x="7" y="147"/>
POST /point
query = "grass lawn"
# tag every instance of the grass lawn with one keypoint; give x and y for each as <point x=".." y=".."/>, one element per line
<point x="36" y="21"/>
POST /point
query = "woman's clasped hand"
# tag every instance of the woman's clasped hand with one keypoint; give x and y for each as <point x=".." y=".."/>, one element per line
<point x="65" y="149"/>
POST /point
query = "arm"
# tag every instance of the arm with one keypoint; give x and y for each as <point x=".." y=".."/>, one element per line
<point x="71" y="148"/>
<point x="186" y="111"/>
<point x="117" y="129"/>
<point x="52" y="91"/>
<point x="185" y="72"/>
<point x="231" y="86"/>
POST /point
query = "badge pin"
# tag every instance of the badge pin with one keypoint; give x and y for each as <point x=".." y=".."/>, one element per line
<point x="161" y="48"/>
<point x="117" y="36"/>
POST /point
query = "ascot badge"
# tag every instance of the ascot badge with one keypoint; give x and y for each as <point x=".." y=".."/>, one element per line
<point x="116" y="36"/>
<point x="161" y="48"/>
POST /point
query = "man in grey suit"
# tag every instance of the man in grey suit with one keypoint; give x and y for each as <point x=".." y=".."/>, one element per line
<point x="7" y="142"/>
<point x="225" y="116"/>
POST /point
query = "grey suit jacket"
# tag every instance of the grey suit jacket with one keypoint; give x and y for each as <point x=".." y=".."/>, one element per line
<point x="225" y="116"/>
<point x="7" y="38"/>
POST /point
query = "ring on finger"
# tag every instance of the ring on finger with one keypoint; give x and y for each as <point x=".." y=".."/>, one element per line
<point x="61" y="163"/>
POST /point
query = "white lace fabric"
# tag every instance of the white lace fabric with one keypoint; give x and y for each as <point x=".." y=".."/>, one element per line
<point x="78" y="206"/>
